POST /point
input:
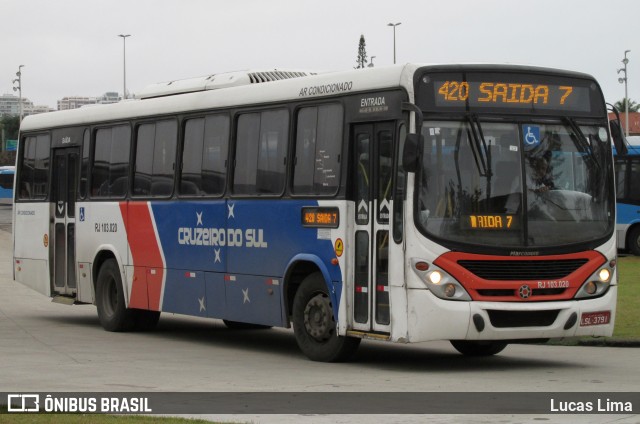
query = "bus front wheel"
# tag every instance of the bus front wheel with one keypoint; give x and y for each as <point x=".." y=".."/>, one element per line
<point x="634" y="241"/>
<point x="112" y="311"/>
<point x="478" y="348"/>
<point x="314" y="325"/>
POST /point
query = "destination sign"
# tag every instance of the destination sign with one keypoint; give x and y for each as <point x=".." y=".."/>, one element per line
<point x="318" y="217"/>
<point x="491" y="222"/>
<point x="508" y="93"/>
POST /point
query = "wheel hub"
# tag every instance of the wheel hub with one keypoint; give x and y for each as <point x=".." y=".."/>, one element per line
<point x="318" y="318"/>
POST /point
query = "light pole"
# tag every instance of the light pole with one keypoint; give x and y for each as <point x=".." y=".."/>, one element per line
<point x="394" y="39"/>
<point x="626" y="98"/>
<point x="370" y="65"/>
<point x="18" y="88"/>
<point x="124" y="63"/>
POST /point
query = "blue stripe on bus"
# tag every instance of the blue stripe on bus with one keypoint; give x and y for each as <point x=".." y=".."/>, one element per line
<point x="253" y="241"/>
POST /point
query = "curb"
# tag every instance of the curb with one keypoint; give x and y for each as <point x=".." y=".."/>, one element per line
<point x="610" y="343"/>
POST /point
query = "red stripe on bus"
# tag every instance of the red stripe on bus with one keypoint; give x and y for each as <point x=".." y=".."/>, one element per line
<point x="146" y="287"/>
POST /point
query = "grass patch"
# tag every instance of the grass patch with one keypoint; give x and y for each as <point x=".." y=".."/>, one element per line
<point x="627" y="325"/>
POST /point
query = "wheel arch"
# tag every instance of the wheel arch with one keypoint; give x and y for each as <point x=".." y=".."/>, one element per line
<point x="103" y="254"/>
<point x="298" y="269"/>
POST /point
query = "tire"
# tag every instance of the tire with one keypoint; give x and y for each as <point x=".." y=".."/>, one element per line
<point x="314" y="325"/>
<point x="478" y="348"/>
<point x="145" y="320"/>
<point x="235" y="325"/>
<point x="112" y="311"/>
<point x="634" y="241"/>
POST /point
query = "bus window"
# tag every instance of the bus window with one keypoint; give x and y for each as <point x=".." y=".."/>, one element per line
<point x="84" y="169"/>
<point x="318" y="145"/>
<point x="111" y="162"/>
<point x="34" y="174"/>
<point x="261" y="151"/>
<point x="204" y="158"/>
<point x="621" y="178"/>
<point x="634" y="175"/>
<point x="155" y="158"/>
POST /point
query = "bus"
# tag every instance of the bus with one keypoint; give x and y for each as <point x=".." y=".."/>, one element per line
<point x="627" y="169"/>
<point x="6" y="184"/>
<point x="389" y="203"/>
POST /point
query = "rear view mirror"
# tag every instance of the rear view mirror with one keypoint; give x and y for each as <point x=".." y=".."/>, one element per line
<point x="619" y="141"/>
<point x="411" y="152"/>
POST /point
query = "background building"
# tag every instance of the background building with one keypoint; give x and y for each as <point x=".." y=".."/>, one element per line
<point x="10" y="105"/>
<point x="634" y="122"/>
<point x="75" y="102"/>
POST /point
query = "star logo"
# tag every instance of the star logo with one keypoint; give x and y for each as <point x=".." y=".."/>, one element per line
<point x="201" y="301"/>
<point x="231" y="206"/>
<point x="217" y="259"/>
<point x="245" y="296"/>
<point x="199" y="216"/>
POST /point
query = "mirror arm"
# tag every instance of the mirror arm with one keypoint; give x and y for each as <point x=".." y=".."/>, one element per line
<point x="410" y="107"/>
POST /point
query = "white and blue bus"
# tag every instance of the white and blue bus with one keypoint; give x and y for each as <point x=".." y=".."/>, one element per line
<point x="627" y="168"/>
<point x="7" y="174"/>
<point x="402" y="204"/>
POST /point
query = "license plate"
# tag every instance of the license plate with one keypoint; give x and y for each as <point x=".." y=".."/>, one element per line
<point x="595" y="318"/>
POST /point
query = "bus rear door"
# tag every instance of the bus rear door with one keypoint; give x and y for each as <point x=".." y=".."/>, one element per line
<point x="63" y="244"/>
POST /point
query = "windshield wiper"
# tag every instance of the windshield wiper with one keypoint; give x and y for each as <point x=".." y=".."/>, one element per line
<point x="479" y="147"/>
<point x="581" y="139"/>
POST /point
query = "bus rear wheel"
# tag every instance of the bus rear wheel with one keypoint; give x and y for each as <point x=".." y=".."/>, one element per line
<point x="112" y="311"/>
<point x="478" y="348"/>
<point x="314" y="325"/>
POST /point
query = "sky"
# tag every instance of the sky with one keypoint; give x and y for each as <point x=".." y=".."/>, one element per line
<point x="72" y="48"/>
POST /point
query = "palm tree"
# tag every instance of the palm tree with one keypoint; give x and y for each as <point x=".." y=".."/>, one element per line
<point x="633" y="106"/>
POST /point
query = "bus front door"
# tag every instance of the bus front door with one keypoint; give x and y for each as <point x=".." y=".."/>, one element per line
<point x="63" y="243"/>
<point x="373" y="177"/>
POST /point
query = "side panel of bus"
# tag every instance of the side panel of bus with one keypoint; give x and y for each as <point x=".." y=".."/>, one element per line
<point x="31" y="246"/>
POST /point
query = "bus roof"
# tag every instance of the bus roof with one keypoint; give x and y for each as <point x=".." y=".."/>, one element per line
<point x="196" y="94"/>
<point x="321" y="85"/>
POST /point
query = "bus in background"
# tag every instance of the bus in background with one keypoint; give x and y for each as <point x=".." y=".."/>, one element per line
<point x="6" y="184"/>
<point x="627" y="168"/>
<point x="469" y="203"/>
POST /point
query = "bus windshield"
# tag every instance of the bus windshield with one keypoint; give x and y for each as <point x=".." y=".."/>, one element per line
<point x="514" y="185"/>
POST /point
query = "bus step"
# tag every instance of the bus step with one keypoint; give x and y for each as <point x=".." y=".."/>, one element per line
<point x="64" y="300"/>
<point x="372" y="336"/>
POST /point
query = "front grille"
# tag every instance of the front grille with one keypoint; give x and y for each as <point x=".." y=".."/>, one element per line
<point x="511" y="319"/>
<point x="496" y="292"/>
<point x="511" y="292"/>
<point x="522" y="270"/>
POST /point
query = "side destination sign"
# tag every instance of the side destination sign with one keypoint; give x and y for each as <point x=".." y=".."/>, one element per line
<point x="317" y="217"/>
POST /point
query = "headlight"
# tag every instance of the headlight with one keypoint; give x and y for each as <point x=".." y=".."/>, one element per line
<point x="604" y="275"/>
<point x="438" y="281"/>
<point x="435" y="277"/>
<point x="596" y="284"/>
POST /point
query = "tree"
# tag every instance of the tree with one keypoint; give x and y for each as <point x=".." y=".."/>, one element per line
<point x="362" y="53"/>
<point x="10" y="124"/>
<point x="633" y="106"/>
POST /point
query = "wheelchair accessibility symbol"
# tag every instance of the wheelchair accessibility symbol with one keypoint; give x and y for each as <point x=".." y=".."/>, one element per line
<point x="531" y="136"/>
